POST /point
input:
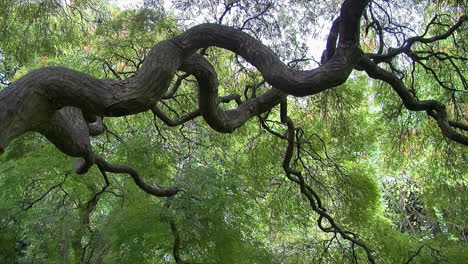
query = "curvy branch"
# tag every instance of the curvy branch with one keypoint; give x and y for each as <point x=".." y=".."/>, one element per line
<point x="191" y="115"/>
<point x="422" y="50"/>
<point x="31" y="103"/>
<point x="179" y="121"/>
<point x="66" y="106"/>
<point x="107" y="167"/>
<point x="434" y="108"/>
<point x="208" y="100"/>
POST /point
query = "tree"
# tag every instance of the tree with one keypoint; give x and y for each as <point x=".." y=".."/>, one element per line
<point x="68" y="106"/>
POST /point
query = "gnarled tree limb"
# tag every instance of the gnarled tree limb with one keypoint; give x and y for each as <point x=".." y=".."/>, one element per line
<point x="433" y="108"/>
<point x="30" y="103"/>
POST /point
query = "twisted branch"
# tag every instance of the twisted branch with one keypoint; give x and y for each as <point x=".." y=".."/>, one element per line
<point x="158" y="192"/>
<point x="434" y="108"/>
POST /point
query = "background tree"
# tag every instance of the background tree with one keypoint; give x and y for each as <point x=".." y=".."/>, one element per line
<point x="302" y="179"/>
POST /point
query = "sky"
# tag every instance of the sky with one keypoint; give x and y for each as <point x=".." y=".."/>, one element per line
<point x="127" y="3"/>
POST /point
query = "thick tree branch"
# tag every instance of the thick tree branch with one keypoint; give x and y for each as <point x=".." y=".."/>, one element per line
<point x="60" y="103"/>
<point x="225" y="121"/>
<point x="276" y="73"/>
<point x="31" y="102"/>
<point x="331" y="41"/>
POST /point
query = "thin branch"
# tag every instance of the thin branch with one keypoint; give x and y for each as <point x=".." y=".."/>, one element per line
<point x="407" y="45"/>
<point x="158" y="192"/>
<point x="176" y="86"/>
<point x="434" y="108"/>
<point x="313" y="198"/>
<point x="191" y="115"/>
<point x="59" y="185"/>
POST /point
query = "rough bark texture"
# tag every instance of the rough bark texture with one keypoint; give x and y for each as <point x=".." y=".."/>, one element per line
<point x="67" y="106"/>
<point x="36" y="102"/>
<point x="64" y="105"/>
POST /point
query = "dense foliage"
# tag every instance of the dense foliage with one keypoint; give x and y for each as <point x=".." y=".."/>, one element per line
<point x="386" y="175"/>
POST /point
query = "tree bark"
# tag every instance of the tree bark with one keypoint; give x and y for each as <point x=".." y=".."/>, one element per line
<point x="34" y="102"/>
<point x="61" y="103"/>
